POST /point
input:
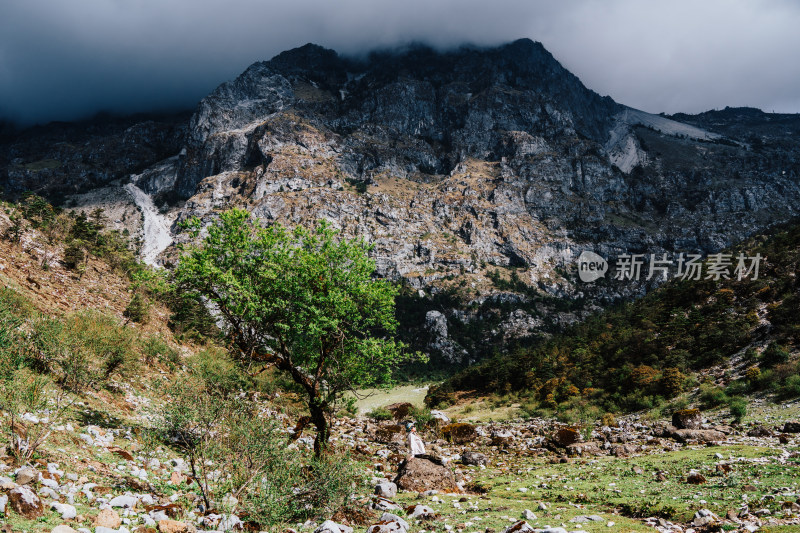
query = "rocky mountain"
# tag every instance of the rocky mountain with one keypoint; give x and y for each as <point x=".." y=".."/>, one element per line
<point x="479" y="175"/>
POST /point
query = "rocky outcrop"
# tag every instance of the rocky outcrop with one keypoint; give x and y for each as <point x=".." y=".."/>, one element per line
<point x="417" y="474"/>
<point x="23" y="501"/>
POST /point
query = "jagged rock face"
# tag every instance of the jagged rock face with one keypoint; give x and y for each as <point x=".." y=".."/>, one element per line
<point x="62" y="159"/>
<point x="404" y="113"/>
<point x="464" y="164"/>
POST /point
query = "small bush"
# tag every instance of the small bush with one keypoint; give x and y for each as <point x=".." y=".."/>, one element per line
<point x="738" y="407"/>
<point x="217" y="373"/>
<point x="155" y="348"/>
<point x="609" y="420"/>
<point x="752" y="374"/>
<point x="82" y="350"/>
<point x="422" y="415"/>
<point x="74" y="256"/>
<point x="23" y="391"/>
<point x="789" y="388"/>
<point x="138" y="309"/>
<point x="774" y="355"/>
<point x="350" y="406"/>
<point x="712" y="396"/>
<point x="380" y="414"/>
<point x="271" y="483"/>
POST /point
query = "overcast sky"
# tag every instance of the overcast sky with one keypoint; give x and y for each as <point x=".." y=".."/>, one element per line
<point x="62" y="59"/>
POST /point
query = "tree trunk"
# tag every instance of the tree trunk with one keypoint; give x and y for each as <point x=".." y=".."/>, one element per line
<point x="317" y="408"/>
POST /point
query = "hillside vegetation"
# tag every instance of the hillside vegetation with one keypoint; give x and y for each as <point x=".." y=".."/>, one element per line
<point x="639" y="353"/>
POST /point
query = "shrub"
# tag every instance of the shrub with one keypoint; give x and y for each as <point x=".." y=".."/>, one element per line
<point x="609" y="420"/>
<point x="82" y="350"/>
<point x="789" y="388"/>
<point x="138" y="309"/>
<point x="738" y="407"/>
<point x="23" y="391"/>
<point x="671" y="382"/>
<point x="439" y="396"/>
<point x="774" y="355"/>
<point x="712" y="396"/>
<point x="379" y="414"/>
<point x="155" y="348"/>
<point x="752" y="374"/>
<point x="350" y="405"/>
<point x="422" y="415"/>
<point x="218" y="374"/>
<point x="269" y="482"/>
<point x="74" y="256"/>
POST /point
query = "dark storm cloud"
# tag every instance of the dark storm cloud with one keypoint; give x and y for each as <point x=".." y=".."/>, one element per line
<point x="63" y="60"/>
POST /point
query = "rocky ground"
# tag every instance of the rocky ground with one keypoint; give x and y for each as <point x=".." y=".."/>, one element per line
<point x="97" y="473"/>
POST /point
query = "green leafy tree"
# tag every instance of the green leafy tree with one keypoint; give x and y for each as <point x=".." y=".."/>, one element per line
<point x="302" y="300"/>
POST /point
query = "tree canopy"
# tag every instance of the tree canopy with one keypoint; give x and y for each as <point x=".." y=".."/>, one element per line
<point x="303" y="300"/>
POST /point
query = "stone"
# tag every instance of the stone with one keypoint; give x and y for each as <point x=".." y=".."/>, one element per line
<point x="519" y="527"/>
<point x="116" y="450"/>
<point x="63" y="528"/>
<point x="386" y="489"/>
<point x="584" y="449"/>
<point x="699" y="435"/>
<point x="420" y="512"/>
<point x="67" y="511"/>
<point x="49" y="483"/>
<point x="566" y="436"/>
<point x="26" y="476"/>
<point x="527" y="514"/>
<point x="759" y="431"/>
<point x="389" y="517"/>
<point x="460" y="433"/>
<point x="624" y="450"/>
<point x="382" y="504"/>
<point x="419" y="475"/>
<point x="473" y="458"/>
<point x="329" y="526"/>
<point x="501" y="437"/>
<point x="695" y="478"/>
<point x="129" y="502"/>
<point x="386" y="527"/>
<point x="108" y="518"/>
<point x="173" y="526"/>
<point x="582" y="519"/>
<point x="687" y="419"/>
<point x="440" y="417"/>
<point x="23" y="501"/>
<point x="393" y="433"/>
<point x="102" y="529"/>
<point x="400" y="410"/>
<point x="176" y="478"/>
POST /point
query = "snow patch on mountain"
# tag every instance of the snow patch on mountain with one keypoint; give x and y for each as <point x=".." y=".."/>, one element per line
<point x="622" y="146"/>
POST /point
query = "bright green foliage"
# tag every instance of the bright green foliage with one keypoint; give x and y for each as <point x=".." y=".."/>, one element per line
<point x="738" y="407"/>
<point x="304" y="301"/>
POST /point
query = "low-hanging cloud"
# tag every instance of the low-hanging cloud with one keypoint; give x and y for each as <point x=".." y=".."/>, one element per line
<point x="67" y="60"/>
